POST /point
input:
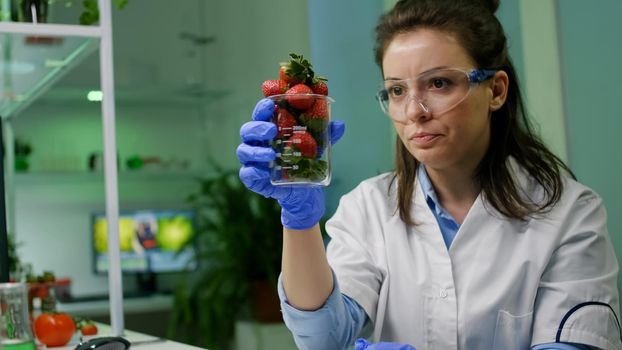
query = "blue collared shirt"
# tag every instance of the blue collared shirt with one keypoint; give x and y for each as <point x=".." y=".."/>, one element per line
<point x="340" y="320"/>
<point x="448" y="225"/>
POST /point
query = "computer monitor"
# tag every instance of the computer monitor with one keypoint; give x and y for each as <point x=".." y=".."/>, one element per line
<point x="150" y="241"/>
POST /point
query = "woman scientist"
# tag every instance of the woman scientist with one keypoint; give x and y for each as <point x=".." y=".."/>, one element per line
<point x="477" y="240"/>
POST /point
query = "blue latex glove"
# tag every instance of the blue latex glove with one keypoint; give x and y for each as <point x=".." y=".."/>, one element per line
<point x="362" y="344"/>
<point x="301" y="206"/>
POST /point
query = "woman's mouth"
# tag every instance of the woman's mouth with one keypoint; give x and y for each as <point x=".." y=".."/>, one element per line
<point x="423" y="139"/>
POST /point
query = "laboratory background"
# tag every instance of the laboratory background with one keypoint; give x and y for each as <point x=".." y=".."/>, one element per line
<point x="187" y="74"/>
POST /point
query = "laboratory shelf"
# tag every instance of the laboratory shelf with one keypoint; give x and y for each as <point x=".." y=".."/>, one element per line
<point x="50" y="29"/>
<point x="75" y="177"/>
<point x="33" y="60"/>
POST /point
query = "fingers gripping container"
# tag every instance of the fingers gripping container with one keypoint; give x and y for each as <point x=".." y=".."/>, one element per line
<point x="302" y="144"/>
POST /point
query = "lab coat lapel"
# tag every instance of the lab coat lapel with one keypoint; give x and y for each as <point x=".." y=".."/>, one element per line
<point x="475" y="218"/>
<point x="482" y="214"/>
<point x="427" y="226"/>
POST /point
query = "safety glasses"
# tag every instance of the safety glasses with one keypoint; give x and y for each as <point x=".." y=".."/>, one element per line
<point x="436" y="91"/>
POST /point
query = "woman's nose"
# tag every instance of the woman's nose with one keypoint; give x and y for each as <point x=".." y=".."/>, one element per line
<point x="415" y="109"/>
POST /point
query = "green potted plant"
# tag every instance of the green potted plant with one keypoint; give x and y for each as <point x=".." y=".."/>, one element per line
<point x="22" y="150"/>
<point x="90" y="14"/>
<point x="239" y="243"/>
<point x="34" y="11"/>
<point x="14" y="261"/>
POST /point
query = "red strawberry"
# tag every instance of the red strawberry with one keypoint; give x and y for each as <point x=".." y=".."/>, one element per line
<point x="284" y="74"/>
<point x="316" y="117"/>
<point x="320" y="88"/>
<point x="88" y="328"/>
<point x="284" y="174"/>
<point x="305" y="144"/>
<point x="299" y="102"/>
<point x="273" y="87"/>
<point x="284" y="121"/>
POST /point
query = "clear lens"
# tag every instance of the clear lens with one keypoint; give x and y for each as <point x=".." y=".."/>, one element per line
<point x="436" y="92"/>
<point x="383" y="98"/>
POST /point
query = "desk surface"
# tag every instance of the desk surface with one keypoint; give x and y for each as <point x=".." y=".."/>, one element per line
<point x="139" y="341"/>
<point x="130" y="305"/>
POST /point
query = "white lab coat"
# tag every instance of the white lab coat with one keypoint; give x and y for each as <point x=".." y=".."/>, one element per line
<point x="503" y="284"/>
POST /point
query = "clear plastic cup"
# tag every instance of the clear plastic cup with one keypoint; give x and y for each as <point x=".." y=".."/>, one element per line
<point x="15" y="328"/>
<point x="302" y="143"/>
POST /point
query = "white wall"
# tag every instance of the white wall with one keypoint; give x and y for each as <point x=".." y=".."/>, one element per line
<point x="591" y="51"/>
<point x="347" y="60"/>
<point x="252" y="37"/>
<point x="543" y="85"/>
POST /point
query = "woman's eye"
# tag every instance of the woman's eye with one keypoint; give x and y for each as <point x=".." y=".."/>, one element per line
<point x="440" y="83"/>
<point x="395" y="91"/>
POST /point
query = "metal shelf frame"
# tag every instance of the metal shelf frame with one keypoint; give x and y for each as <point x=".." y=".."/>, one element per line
<point x="103" y="32"/>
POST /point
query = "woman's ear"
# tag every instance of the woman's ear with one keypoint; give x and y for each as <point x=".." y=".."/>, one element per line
<point x="500" y="83"/>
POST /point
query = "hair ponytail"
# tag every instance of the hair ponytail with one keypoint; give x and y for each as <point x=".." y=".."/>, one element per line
<point x="492" y="5"/>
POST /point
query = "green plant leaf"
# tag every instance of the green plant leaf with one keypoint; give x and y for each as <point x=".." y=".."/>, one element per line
<point x="120" y="4"/>
<point x="90" y="5"/>
<point x="87" y="18"/>
<point x="90" y="14"/>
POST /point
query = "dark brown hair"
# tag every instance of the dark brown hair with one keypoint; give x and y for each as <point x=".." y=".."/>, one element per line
<point x="475" y="26"/>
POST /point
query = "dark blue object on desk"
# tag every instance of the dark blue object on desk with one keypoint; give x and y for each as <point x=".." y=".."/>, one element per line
<point x="105" y="343"/>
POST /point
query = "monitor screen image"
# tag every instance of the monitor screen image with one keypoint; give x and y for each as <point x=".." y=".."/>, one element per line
<point x="150" y="241"/>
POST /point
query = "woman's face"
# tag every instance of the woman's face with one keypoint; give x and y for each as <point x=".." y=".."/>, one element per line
<point x="454" y="139"/>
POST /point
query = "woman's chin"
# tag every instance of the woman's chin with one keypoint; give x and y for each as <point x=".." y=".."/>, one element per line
<point x="431" y="157"/>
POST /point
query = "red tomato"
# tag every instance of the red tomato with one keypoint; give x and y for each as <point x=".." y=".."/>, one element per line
<point x="54" y="329"/>
<point x="88" y="329"/>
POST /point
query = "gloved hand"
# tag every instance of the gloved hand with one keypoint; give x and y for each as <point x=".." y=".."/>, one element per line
<point x="362" y="344"/>
<point x="301" y="206"/>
